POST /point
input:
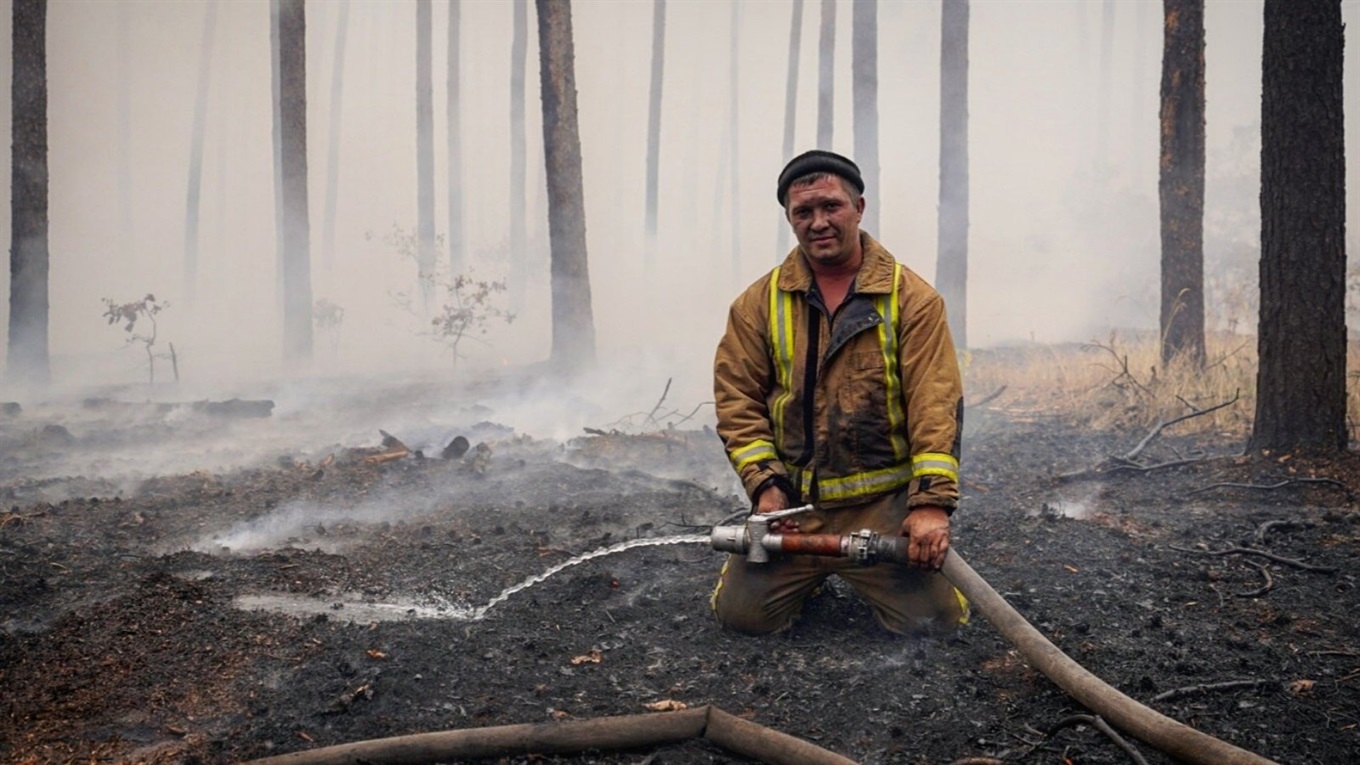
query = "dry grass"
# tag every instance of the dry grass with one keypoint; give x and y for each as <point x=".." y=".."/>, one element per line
<point x="1117" y="383"/>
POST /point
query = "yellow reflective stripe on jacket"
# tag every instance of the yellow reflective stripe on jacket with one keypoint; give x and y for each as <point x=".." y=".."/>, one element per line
<point x="781" y="344"/>
<point x="935" y="463"/>
<point x="864" y="484"/>
<point x="756" y="451"/>
<point x="892" y="382"/>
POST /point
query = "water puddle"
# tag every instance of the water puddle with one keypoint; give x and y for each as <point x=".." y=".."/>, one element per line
<point x="360" y="611"/>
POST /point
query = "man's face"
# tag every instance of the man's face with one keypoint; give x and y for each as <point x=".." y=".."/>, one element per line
<point x="826" y="222"/>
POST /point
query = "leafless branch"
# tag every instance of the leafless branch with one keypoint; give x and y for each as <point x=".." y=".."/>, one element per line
<point x="1252" y="551"/>
<point x="1191" y="690"/>
<point x="1264" y="528"/>
<point x="989" y="397"/>
<point x="1273" y="486"/>
<point x="1269" y="585"/>
<point x="1160" y="426"/>
<point x="665" y="391"/>
<point x="1095" y="721"/>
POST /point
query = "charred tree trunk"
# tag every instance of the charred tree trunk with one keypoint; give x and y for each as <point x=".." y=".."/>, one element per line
<point x="826" y="74"/>
<point x="1182" y="182"/>
<point x="297" y="276"/>
<point x="519" y="212"/>
<point x="457" y="237"/>
<point x="425" y="250"/>
<point x="951" y="269"/>
<point x="276" y="107"/>
<point x="864" y="67"/>
<point x="1301" y="382"/>
<point x="194" y="193"/>
<point x="790" y="108"/>
<point x="27" y="361"/>
<point x="573" y="332"/>
<point x="333" y="139"/>
<point x="654" y="123"/>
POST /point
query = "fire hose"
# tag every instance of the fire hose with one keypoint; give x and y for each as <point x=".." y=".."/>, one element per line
<point x="757" y="542"/>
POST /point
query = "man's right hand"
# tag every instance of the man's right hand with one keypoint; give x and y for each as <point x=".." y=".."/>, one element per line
<point x="772" y="499"/>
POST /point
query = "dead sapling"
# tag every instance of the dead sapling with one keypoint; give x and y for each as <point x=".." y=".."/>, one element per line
<point x="145" y="312"/>
<point x="1128" y="462"/>
<point x="328" y="316"/>
<point x="469" y="304"/>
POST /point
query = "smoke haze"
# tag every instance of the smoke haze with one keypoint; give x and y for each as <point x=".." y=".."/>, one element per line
<point x="1064" y="238"/>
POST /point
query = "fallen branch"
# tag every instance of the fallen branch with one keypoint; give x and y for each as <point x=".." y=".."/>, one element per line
<point x="1268" y="525"/>
<point x="1095" y="721"/>
<point x="664" y="392"/>
<point x="1156" y="430"/>
<point x="1252" y="551"/>
<point x="1273" y="486"/>
<point x="378" y="459"/>
<point x="989" y="398"/>
<point x="1263" y="589"/>
<point x="1191" y="690"/>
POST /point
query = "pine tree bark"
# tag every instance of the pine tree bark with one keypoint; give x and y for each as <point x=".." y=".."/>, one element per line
<point x="1181" y="188"/>
<point x="1301" y="381"/>
<point x="573" y="330"/>
<point x="790" y="109"/>
<point x="951" y="265"/>
<point x="654" y="123"/>
<point x="296" y="260"/>
<point x="27" y="361"/>
<point x="826" y="77"/>
<point x="425" y="249"/>
<point x="864" y="67"/>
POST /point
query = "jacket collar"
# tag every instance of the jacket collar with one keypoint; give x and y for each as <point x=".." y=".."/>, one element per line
<point x="875" y="275"/>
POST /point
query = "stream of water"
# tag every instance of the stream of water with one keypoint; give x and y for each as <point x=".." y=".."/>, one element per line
<point x="480" y="612"/>
<point x="359" y="611"/>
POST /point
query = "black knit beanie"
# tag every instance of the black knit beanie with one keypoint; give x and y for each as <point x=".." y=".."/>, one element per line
<point x="818" y="161"/>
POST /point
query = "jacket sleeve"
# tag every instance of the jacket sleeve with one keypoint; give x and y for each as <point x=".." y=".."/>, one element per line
<point x="932" y="389"/>
<point x="742" y="373"/>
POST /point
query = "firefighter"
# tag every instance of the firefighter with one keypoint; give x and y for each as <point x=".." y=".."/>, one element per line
<point x="836" y="385"/>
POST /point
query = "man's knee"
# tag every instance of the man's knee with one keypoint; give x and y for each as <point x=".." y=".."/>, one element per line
<point x="748" y="619"/>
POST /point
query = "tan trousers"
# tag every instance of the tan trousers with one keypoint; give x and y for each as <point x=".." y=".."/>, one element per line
<point x="760" y="598"/>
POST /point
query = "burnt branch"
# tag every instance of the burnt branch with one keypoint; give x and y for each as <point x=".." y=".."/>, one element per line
<point x="1265" y="528"/>
<point x="1269" y="585"/>
<point x="1274" y="486"/>
<point x="1195" y="690"/>
<point x="1252" y="551"/>
<point x="1097" y="722"/>
<point x="989" y="398"/>
<point x="1164" y="424"/>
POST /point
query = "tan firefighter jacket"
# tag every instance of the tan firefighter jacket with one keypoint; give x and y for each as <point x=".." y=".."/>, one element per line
<point x="849" y="411"/>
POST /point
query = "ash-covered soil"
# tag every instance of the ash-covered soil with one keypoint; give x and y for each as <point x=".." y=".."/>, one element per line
<point x="210" y="615"/>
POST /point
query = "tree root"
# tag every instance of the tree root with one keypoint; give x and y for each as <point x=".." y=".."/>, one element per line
<point x="1263" y="589"/>
<point x="1273" y="486"/>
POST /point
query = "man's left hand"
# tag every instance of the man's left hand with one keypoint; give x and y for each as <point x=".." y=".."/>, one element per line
<point x="927" y="531"/>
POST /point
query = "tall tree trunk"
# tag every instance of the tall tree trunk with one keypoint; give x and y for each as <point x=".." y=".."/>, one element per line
<point x="826" y="76"/>
<point x="457" y="236"/>
<point x="519" y="206"/>
<point x="27" y="361"/>
<point x="425" y="249"/>
<point x="333" y="138"/>
<point x="297" y="273"/>
<point x="733" y="137"/>
<point x="790" y="108"/>
<point x="276" y="102"/>
<point x="192" y="204"/>
<point x="951" y="267"/>
<point x="1182" y="182"/>
<point x="654" y="123"/>
<point x="1301" y="381"/>
<point x="573" y="333"/>
<point x="864" y="68"/>
<point x="126" y="251"/>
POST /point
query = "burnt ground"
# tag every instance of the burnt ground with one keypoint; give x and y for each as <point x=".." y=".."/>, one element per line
<point x="211" y="615"/>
